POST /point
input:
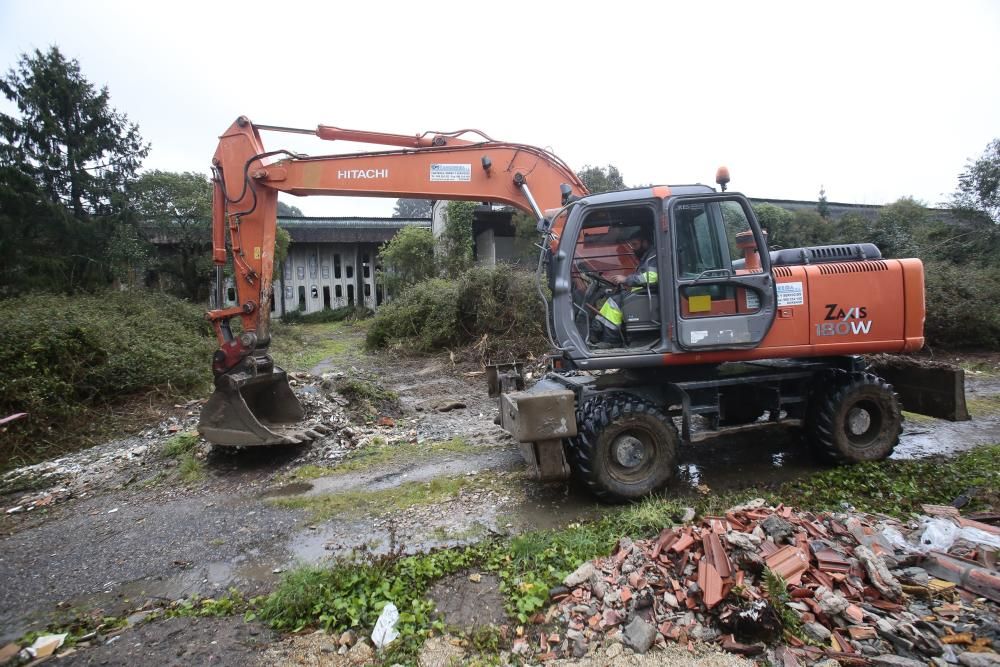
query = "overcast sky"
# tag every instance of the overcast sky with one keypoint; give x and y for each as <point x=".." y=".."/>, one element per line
<point x="873" y="100"/>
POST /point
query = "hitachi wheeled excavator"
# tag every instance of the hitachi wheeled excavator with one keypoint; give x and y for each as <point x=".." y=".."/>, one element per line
<point x="663" y="303"/>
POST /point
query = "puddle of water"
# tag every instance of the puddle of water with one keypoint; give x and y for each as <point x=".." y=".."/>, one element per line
<point x="415" y="471"/>
<point x="771" y="453"/>
<point x="293" y="489"/>
<point x="935" y="436"/>
<point x="556" y="507"/>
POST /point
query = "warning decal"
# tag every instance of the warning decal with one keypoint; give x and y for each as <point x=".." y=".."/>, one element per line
<point x="451" y="172"/>
<point x="790" y="294"/>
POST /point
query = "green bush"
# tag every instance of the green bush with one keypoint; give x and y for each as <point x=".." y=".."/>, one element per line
<point x="455" y="243"/>
<point x="408" y="258"/>
<point x="961" y="306"/>
<point x="423" y="318"/>
<point x="499" y="308"/>
<point x="494" y="307"/>
<point x="64" y="356"/>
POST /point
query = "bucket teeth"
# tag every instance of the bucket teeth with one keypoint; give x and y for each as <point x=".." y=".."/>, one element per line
<point x="313" y="434"/>
<point x="325" y="430"/>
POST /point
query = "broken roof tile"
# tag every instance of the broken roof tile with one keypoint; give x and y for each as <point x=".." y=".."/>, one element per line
<point x="861" y="632"/>
<point x="789" y="562"/>
<point x="683" y="543"/>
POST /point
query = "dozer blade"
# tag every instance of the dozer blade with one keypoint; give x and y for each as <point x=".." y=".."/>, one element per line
<point x="246" y="411"/>
<point x="927" y="388"/>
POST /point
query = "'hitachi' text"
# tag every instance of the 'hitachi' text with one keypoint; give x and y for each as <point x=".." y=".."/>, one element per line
<point x="363" y="173"/>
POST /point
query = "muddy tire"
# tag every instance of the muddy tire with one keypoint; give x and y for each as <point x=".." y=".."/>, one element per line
<point x="625" y="449"/>
<point x="856" y="419"/>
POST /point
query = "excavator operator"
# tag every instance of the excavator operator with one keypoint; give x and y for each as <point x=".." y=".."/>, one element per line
<point x="606" y="328"/>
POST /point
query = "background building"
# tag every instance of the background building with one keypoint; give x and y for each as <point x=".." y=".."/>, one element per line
<point x="331" y="263"/>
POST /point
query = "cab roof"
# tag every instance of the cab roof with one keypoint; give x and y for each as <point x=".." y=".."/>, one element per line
<point x="648" y="192"/>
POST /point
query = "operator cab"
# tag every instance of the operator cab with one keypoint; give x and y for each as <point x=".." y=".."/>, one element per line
<point x="655" y="271"/>
<point x="615" y="280"/>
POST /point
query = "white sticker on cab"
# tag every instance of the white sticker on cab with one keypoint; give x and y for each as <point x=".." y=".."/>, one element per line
<point x="790" y="294"/>
<point x="451" y="172"/>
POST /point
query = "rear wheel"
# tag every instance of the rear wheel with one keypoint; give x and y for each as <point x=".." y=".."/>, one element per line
<point x="856" y="419"/>
<point x="626" y="447"/>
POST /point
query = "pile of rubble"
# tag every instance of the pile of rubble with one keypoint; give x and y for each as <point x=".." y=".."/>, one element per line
<point x="796" y="588"/>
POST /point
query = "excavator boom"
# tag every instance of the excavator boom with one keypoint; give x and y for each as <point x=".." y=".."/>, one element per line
<point x="252" y="396"/>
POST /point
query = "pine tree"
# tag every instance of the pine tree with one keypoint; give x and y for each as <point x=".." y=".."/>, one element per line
<point x="67" y="160"/>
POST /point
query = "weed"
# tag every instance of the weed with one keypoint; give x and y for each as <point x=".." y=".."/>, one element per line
<point x="981" y="406"/>
<point x="445" y="534"/>
<point x="485" y="639"/>
<point x="181" y="443"/>
<point x="366" y="397"/>
<point x="356" y="389"/>
<point x="777" y="593"/>
<point x="408" y="494"/>
<point x="352" y="594"/>
<point x="232" y="602"/>
<point x="79" y="625"/>
<point x="899" y="488"/>
<point x="989" y="366"/>
<point x="917" y="418"/>
<point x="191" y="468"/>
<point x="378" y="453"/>
<point x="309" y="471"/>
<point x="153" y="481"/>
<point x="300" y="347"/>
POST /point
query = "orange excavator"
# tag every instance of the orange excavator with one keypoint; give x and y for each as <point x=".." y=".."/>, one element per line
<point x="663" y="303"/>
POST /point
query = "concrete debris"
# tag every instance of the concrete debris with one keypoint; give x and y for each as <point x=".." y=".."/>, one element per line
<point x="44" y="646"/>
<point x="851" y="595"/>
<point x="970" y="659"/>
<point x="777" y="529"/>
<point x="816" y="631"/>
<point x="361" y="654"/>
<point x="580" y="575"/>
<point x="639" y="635"/>
<point x="889" y="660"/>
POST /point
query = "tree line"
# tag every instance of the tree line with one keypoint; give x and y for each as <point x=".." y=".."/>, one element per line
<point x="76" y="211"/>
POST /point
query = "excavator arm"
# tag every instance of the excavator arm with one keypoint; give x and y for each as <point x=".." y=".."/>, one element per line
<point x="251" y="394"/>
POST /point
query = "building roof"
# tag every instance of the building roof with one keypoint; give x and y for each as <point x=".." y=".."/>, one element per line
<point x="346" y="229"/>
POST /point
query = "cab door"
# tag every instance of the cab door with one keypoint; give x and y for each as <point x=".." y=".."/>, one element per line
<point x="725" y="294"/>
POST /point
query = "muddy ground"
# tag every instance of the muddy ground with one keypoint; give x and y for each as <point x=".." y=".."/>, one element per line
<point x="113" y="528"/>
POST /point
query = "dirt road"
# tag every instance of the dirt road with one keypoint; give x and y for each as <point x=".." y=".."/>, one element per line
<point x="108" y="529"/>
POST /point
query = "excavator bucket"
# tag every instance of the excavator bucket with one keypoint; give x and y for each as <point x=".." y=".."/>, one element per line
<point x="253" y="410"/>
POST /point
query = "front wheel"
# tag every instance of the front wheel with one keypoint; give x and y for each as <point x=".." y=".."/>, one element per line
<point x="856" y="419"/>
<point x="626" y="447"/>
